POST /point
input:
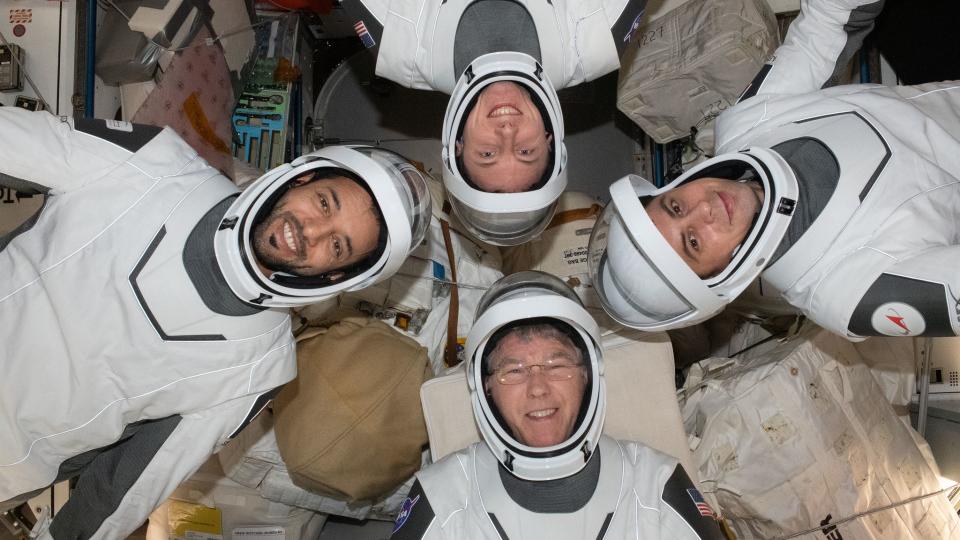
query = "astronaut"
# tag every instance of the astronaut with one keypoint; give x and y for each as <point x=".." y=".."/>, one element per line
<point x="501" y="61"/>
<point x="844" y="201"/>
<point x="420" y="302"/>
<point x="144" y="305"/>
<point x="535" y="372"/>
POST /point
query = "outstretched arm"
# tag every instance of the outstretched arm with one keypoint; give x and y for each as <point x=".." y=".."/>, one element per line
<point x="818" y="46"/>
<point x="124" y="482"/>
<point x="919" y="296"/>
<point x="42" y="152"/>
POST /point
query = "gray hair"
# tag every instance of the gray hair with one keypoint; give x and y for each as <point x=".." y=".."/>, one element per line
<point x="526" y="332"/>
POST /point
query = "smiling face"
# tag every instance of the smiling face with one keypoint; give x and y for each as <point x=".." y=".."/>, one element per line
<point x="505" y="148"/>
<point x="539" y="412"/>
<point x="706" y="219"/>
<point x="317" y="227"/>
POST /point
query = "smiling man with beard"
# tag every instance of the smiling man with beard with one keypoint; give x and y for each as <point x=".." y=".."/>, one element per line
<point x="324" y="223"/>
<point x="145" y="304"/>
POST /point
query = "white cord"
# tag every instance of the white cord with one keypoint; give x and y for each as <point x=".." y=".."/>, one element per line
<point x="447" y="281"/>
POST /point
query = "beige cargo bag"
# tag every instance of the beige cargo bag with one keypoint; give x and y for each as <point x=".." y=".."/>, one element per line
<point x="802" y="443"/>
<point x="684" y="68"/>
<point x="349" y="426"/>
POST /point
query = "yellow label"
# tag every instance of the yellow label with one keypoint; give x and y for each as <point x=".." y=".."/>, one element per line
<point x="186" y="517"/>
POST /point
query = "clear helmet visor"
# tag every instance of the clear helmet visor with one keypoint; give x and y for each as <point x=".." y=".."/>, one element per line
<point x="411" y="185"/>
<point x="550" y="310"/>
<point x="503" y="228"/>
<point x="632" y="289"/>
<point x="509" y="211"/>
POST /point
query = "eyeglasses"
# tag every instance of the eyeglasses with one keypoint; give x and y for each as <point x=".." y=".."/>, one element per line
<point x="519" y="373"/>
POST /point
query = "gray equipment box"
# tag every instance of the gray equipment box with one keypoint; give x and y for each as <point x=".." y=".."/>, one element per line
<point x="682" y="69"/>
<point x="11" y="79"/>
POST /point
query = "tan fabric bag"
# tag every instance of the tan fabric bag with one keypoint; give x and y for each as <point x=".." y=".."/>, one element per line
<point x="350" y="425"/>
<point x="683" y="69"/>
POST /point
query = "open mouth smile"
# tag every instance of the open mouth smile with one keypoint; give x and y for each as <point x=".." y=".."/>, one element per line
<point x="504" y="110"/>
<point x="541" y="414"/>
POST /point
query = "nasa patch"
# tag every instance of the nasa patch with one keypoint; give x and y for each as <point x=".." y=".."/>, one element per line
<point x="633" y="27"/>
<point x="898" y="319"/>
<point x="405" y="510"/>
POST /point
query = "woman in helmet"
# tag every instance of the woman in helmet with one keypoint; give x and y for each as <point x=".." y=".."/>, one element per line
<point x="843" y="201"/>
<point x="544" y="470"/>
<point x="139" y="339"/>
<point x="500" y="61"/>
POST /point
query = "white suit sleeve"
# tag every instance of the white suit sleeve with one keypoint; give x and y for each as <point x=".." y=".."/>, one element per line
<point x="818" y="46"/>
<point x="127" y="481"/>
<point x="377" y="8"/>
<point x="44" y="153"/>
<point x="917" y="296"/>
<point x="684" y="513"/>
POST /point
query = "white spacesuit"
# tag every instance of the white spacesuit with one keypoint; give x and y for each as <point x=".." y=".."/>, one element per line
<point x="464" y="48"/>
<point x="137" y="338"/>
<point x="586" y="486"/>
<point x="418" y="296"/>
<point x="858" y="228"/>
<point x="574" y="39"/>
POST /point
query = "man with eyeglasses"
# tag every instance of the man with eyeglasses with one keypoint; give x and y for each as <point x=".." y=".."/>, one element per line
<point x="544" y="470"/>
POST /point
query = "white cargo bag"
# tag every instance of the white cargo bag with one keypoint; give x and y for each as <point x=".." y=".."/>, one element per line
<point x="210" y="506"/>
<point x="804" y="437"/>
<point x="684" y="68"/>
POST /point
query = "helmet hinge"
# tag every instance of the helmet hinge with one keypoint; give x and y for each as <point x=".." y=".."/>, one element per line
<point x="469" y="74"/>
<point x="538" y="72"/>
<point x="786" y="206"/>
<point x="508" y="460"/>
<point x="228" y="223"/>
<point x="587" y="452"/>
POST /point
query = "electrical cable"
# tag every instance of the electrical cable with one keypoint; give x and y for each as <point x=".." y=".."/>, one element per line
<point x="867" y="512"/>
<point x="323" y="141"/>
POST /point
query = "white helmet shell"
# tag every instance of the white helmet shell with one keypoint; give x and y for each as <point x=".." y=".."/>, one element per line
<point x="643" y="283"/>
<point x="400" y="192"/>
<point x="511" y="300"/>
<point x="503" y="218"/>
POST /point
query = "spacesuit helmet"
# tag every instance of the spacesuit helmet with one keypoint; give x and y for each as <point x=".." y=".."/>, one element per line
<point x="526" y="299"/>
<point x="399" y="193"/>
<point x="496" y="217"/>
<point x="644" y="283"/>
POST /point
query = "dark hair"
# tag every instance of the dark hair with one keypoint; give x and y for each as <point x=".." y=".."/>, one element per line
<point x="526" y="329"/>
<point x="382" y="233"/>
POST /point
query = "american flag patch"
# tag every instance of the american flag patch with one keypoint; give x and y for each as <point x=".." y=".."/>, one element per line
<point x="700" y="503"/>
<point x="365" y="37"/>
